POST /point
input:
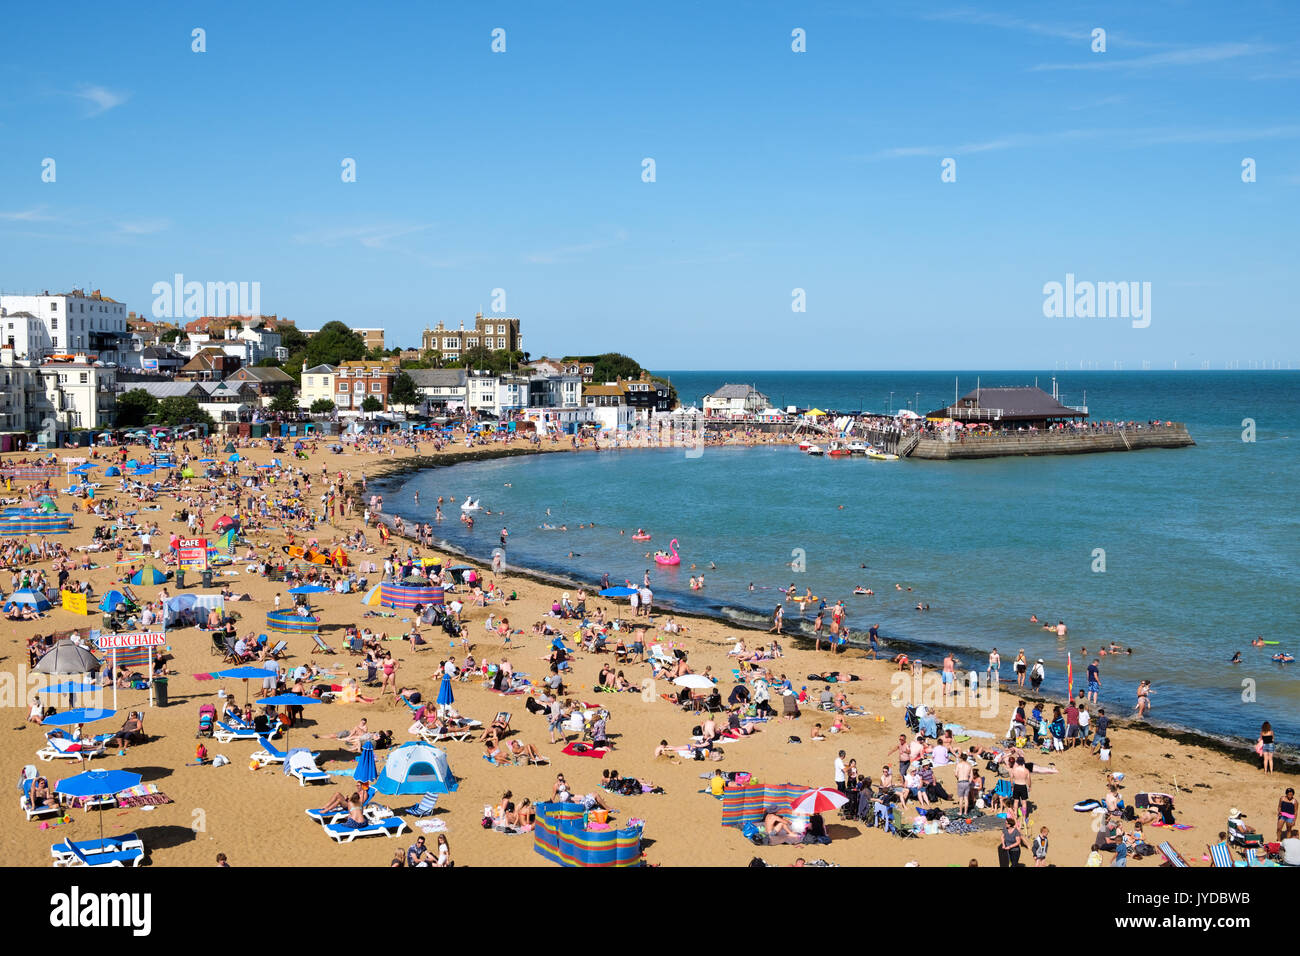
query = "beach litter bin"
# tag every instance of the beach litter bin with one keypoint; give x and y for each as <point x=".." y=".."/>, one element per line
<point x="207" y="579"/>
<point x="180" y="579"/>
<point x="160" y="691"/>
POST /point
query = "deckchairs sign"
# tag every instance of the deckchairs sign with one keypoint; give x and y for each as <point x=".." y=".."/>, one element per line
<point x="193" y="553"/>
<point x="109" y="642"/>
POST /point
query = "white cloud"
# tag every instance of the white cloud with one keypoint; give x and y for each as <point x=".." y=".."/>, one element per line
<point x="1187" y="56"/>
<point x="27" y="215"/>
<point x="560" y="254"/>
<point x="100" y="99"/>
<point x="144" y="227"/>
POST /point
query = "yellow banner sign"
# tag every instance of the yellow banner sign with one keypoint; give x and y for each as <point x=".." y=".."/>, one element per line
<point x="74" y="602"/>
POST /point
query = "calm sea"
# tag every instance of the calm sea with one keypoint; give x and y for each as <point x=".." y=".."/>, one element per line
<point x="1201" y="545"/>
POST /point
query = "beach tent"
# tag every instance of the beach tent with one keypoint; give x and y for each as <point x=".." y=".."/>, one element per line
<point x="561" y="837"/>
<point x="416" y="768"/>
<point x="906" y="413"/>
<point x="814" y="413"/>
<point x="230" y="447"/>
<point x="28" y="596"/>
<point x="234" y="457"/>
<point x="149" y="575"/>
<point x="224" y="522"/>
<point x="226" y="542"/>
<point x="372" y="597"/>
<point x="113" y="472"/>
<point x="113" y="600"/>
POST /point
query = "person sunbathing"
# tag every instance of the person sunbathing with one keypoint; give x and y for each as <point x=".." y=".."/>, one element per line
<point x="40" y="793"/>
<point x="517" y="750"/>
<point x="776" y="825"/>
<point x="339" y="802"/>
<point x="132" y="732"/>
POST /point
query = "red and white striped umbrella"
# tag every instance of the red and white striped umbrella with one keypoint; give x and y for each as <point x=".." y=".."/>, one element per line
<point x="818" y="801"/>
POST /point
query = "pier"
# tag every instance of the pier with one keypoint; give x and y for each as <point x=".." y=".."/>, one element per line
<point x="1069" y="442"/>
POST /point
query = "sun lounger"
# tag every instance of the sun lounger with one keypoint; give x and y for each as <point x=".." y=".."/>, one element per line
<point x="70" y="749"/>
<point x="102" y="856"/>
<point x="373" y="811"/>
<point x="430" y="736"/>
<point x="269" y="754"/>
<point x="35" y="813"/>
<point x="302" y="765"/>
<point x="342" y="833"/>
<point x="114" y="858"/>
<point x="1172" y="857"/>
<point x="61" y="852"/>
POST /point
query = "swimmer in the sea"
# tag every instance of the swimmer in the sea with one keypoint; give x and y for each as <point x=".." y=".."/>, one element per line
<point x="1236" y="658"/>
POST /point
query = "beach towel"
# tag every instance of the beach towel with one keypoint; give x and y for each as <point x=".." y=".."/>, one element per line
<point x="585" y="750"/>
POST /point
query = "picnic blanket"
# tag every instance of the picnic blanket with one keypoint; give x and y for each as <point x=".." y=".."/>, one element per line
<point x="585" y="750"/>
<point x="143" y="795"/>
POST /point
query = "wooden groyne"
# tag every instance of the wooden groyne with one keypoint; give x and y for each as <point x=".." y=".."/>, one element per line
<point x="1089" y="441"/>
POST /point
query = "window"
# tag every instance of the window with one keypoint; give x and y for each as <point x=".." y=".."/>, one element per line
<point x="375" y="387"/>
<point x="343" y="388"/>
<point x="54" y="325"/>
<point x="54" y="307"/>
<point x="85" y="377"/>
<point x="501" y="330"/>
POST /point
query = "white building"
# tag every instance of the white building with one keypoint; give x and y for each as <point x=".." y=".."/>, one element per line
<point x="735" y="401"/>
<point x="48" y="400"/>
<point x="65" y="323"/>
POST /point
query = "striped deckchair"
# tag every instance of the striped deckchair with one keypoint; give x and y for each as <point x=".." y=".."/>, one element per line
<point x="1172" y="857"/>
<point x="1221" y="855"/>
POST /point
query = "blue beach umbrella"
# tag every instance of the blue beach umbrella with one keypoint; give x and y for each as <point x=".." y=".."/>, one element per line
<point x="365" y="770"/>
<point x="245" y="673"/>
<point x="207" y="461"/>
<point x="445" y="696"/>
<point x="68" y="687"/>
<point x="234" y="458"/>
<point x="98" y="783"/>
<point x="79" y="715"/>
<point x="617" y="592"/>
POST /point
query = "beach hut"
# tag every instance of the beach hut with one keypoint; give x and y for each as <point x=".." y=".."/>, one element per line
<point x="563" y="835"/>
<point x="416" y="768"/>
<point x="149" y="575"/>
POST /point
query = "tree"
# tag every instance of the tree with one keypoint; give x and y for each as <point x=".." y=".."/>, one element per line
<point x="171" y="335"/>
<point x="403" y="391"/>
<point x="371" y="404"/>
<point x="285" y="402"/>
<point x="292" y="338"/>
<point x="334" y="343"/>
<point x="181" y="411"/>
<point x="269" y="362"/>
<point x="135" y="407"/>
<point x="322" y="406"/>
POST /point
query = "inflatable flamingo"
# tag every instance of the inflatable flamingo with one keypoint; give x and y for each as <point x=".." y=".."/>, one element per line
<point x="671" y="559"/>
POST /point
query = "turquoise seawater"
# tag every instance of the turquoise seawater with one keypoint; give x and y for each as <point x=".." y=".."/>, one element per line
<point x="1202" y="545"/>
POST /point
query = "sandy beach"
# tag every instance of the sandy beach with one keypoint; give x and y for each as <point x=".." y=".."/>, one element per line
<point x="256" y="817"/>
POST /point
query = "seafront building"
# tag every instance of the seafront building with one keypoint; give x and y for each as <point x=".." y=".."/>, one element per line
<point x="64" y="323"/>
<point x="491" y="332"/>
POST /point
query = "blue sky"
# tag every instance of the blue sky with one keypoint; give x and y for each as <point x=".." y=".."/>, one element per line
<point x="775" y="170"/>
